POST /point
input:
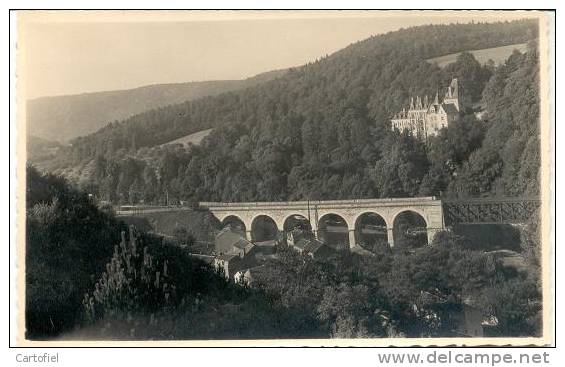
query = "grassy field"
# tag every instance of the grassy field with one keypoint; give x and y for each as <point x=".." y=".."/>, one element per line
<point x="195" y="138"/>
<point x="496" y="54"/>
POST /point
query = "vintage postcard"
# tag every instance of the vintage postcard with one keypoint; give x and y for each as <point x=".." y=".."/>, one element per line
<point x="285" y="178"/>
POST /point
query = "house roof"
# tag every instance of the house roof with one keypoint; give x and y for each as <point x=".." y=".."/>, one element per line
<point x="227" y="237"/>
<point x="244" y="244"/>
<point x="228" y="231"/>
<point x="311" y="246"/>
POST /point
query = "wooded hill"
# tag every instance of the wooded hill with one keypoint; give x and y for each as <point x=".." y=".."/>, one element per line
<point x="62" y="118"/>
<point x="322" y="130"/>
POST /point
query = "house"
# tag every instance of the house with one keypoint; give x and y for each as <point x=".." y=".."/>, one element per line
<point x="233" y="252"/>
<point x="424" y="119"/>
<point x="230" y="241"/>
<point x="243" y="248"/>
<point x="313" y="248"/>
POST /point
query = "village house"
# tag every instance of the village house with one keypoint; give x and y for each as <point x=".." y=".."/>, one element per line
<point x="317" y="250"/>
<point x="424" y="119"/>
<point x="233" y="252"/>
<point x="230" y="241"/>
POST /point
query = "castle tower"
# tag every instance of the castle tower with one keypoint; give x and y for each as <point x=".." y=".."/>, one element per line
<point x="452" y="94"/>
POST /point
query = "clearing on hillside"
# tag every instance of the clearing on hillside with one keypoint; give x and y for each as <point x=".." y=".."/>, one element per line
<point x="194" y="138"/>
<point x="496" y="54"/>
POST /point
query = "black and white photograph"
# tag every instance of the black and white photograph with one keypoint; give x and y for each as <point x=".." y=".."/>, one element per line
<point x="300" y="178"/>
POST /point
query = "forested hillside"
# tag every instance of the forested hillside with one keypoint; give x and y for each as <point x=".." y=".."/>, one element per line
<point x="322" y="130"/>
<point x="62" y="118"/>
<point x="508" y="162"/>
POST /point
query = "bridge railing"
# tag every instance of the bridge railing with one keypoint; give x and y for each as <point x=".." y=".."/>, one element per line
<point x="317" y="202"/>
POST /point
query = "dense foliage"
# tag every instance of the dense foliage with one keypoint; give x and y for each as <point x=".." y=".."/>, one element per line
<point x="67" y="243"/>
<point x="293" y="296"/>
<point x="508" y="162"/>
<point x="397" y="294"/>
<point x="322" y="130"/>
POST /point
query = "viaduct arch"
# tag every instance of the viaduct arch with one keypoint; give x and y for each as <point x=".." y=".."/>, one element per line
<point x="429" y="208"/>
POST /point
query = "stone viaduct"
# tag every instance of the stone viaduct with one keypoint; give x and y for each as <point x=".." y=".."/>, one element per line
<point x="429" y="208"/>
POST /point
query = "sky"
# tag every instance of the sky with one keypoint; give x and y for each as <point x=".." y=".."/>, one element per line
<point x="72" y="53"/>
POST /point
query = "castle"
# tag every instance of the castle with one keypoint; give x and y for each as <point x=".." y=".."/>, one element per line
<point x="425" y="119"/>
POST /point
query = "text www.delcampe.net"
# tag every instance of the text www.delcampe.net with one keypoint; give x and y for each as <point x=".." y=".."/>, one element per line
<point x="475" y="358"/>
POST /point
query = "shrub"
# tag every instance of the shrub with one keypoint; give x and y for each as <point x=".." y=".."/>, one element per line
<point x="134" y="281"/>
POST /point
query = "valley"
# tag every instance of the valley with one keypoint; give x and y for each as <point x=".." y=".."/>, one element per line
<point x="301" y="205"/>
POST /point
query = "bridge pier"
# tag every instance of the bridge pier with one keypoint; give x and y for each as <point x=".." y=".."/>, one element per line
<point x="390" y="237"/>
<point x="431" y="235"/>
<point x="351" y="238"/>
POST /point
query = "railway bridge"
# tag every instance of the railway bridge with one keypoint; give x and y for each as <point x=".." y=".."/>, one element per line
<point x="319" y="215"/>
<point x="358" y="217"/>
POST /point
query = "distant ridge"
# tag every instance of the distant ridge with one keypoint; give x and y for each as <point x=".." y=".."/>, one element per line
<point x="62" y="118"/>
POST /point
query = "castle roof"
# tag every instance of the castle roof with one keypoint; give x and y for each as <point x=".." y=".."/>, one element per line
<point x="450" y="109"/>
<point x="453" y="89"/>
<point x="420" y="104"/>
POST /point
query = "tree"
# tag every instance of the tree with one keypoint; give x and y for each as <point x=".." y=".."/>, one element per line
<point x="350" y="312"/>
